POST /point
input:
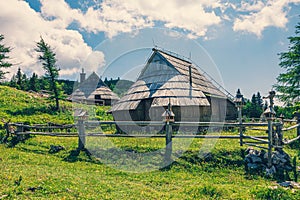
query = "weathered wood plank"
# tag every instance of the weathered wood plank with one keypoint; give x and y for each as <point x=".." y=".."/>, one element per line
<point x="254" y="145"/>
<point x="257" y="139"/>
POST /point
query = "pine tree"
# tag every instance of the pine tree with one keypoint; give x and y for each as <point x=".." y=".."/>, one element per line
<point x="3" y="57"/>
<point x="253" y="99"/>
<point x="259" y="100"/>
<point x="13" y="82"/>
<point x="255" y="108"/>
<point x="19" y="78"/>
<point x="25" y="82"/>
<point x="288" y="83"/>
<point x="33" y="83"/>
<point x="47" y="57"/>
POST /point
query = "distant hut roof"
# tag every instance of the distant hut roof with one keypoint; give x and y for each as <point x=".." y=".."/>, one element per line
<point x="78" y="94"/>
<point x="167" y="77"/>
<point x="104" y="93"/>
<point x="90" y="84"/>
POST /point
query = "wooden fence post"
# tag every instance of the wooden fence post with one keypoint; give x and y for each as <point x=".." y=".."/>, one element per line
<point x="20" y="129"/>
<point x="81" y="135"/>
<point x="7" y="128"/>
<point x="240" y="127"/>
<point x="270" y="114"/>
<point x="270" y="142"/>
<point x="298" y="122"/>
<point x="279" y="133"/>
<point x="239" y="101"/>
<point x="168" y="141"/>
<point x="168" y="117"/>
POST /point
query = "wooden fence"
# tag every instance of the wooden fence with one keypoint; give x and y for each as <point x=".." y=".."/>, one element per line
<point x="274" y="139"/>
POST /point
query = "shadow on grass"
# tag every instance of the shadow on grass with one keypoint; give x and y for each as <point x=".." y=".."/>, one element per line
<point x="71" y="156"/>
<point x="17" y="139"/>
<point x="192" y="161"/>
<point x="81" y="156"/>
<point x="36" y="151"/>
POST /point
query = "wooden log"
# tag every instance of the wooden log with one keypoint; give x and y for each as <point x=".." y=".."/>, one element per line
<point x="292" y="127"/>
<point x="258" y="129"/>
<point x="134" y="123"/>
<point x="47" y="133"/>
<point x="255" y="142"/>
<point x="257" y="139"/>
<point x="254" y="145"/>
<point x="292" y="140"/>
<point x="43" y="126"/>
<point x="159" y="123"/>
<point x="163" y="136"/>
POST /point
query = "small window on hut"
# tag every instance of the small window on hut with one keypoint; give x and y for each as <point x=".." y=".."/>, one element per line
<point x="100" y="102"/>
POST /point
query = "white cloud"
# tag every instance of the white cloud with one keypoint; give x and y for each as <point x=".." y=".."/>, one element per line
<point x="94" y="62"/>
<point x="22" y="28"/>
<point x="262" y="15"/>
<point x="188" y="15"/>
<point x="114" y="16"/>
<point x="110" y="18"/>
<point x="255" y="5"/>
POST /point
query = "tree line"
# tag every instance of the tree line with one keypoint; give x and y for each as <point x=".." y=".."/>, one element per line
<point x="36" y="83"/>
<point x="254" y="108"/>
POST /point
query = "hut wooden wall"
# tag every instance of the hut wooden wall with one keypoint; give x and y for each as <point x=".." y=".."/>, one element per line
<point x="231" y="111"/>
<point x="144" y="112"/>
<point x="222" y="109"/>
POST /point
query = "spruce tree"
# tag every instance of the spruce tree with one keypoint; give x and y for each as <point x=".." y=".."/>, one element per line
<point x="25" y="82"/>
<point x="13" y="81"/>
<point x="33" y="83"/>
<point x="3" y="58"/>
<point x="288" y="83"/>
<point x="259" y="100"/>
<point x="19" y="78"/>
<point x="47" y="57"/>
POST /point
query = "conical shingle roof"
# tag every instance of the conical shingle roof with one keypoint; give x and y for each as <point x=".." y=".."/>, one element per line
<point x="168" y="78"/>
<point x="104" y="93"/>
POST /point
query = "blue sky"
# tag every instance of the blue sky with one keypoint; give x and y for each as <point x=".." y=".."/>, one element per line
<point x="235" y="41"/>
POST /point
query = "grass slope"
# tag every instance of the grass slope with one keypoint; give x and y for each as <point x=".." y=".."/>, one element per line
<point x="20" y="106"/>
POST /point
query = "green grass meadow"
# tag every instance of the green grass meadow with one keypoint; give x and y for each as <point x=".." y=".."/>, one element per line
<point x="28" y="170"/>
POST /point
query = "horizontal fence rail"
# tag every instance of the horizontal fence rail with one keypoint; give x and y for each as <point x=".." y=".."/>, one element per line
<point x="82" y="130"/>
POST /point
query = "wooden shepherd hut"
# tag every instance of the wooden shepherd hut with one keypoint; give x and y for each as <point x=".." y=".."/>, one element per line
<point x="94" y="91"/>
<point x="103" y="96"/>
<point x="78" y="96"/>
<point x="165" y="79"/>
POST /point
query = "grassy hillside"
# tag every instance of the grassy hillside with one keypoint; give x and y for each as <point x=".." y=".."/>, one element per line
<point x="30" y="108"/>
<point x="29" y="170"/>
